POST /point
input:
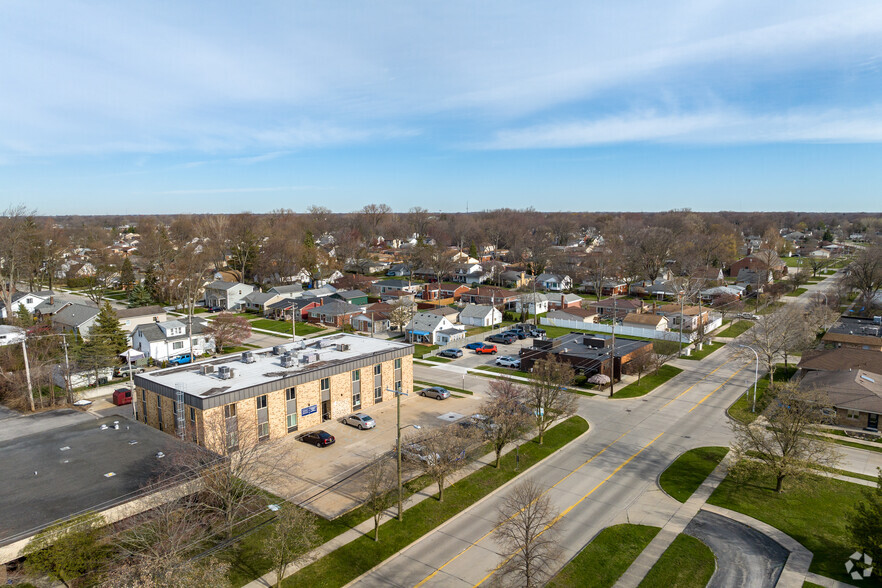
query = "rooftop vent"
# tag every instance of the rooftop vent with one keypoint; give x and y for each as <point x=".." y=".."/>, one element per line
<point x="278" y="349"/>
<point x="248" y="357"/>
<point x="877" y="320"/>
<point x="225" y="372"/>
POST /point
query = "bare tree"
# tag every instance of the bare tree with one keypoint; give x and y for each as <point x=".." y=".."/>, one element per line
<point x="640" y="364"/>
<point x="227" y="329"/>
<point x="864" y="273"/>
<point x="506" y="409"/>
<point x="602" y="263"/>
<point x="779" y="444"/>
<point x="175" y="572"/>
<point x="652" y="248"/>
<point x="768" y="337"/>
<point x="16" y="222"/>
<point x="546" y="394"/>
<point x="402" y="310"/>
<point x="440" y="453"/>
<point x="294" y="534"/>
<point x="379" y="490"/>
<point x="526" y="529"/>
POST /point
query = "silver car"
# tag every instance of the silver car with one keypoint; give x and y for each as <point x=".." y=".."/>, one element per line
<point x="436" y="392"/>
<point x="360" y="420"/>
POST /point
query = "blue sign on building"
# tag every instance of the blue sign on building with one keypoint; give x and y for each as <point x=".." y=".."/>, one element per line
<point x="309" y="410"/>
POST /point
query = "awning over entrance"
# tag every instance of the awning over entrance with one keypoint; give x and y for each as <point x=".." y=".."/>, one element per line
<point x="421" y="333"/>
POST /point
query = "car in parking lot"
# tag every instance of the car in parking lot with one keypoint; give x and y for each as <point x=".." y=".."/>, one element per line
<point x="123" y="370"/>
<point x="508" y="361"/>
<point x="515" y="333"/>
<point x="479" y="423"/>
<point x="436" y="392"/>
<point x="360" y="421"/>
<point x="317" y="438"/>
<point x="485" y="349"/>
<point x="474" y="345"/>
<point x="451" y="353"/>
<point x="502" y="338"/>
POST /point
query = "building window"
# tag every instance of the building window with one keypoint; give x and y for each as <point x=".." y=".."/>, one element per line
<point x="261" y="402"/>
<point x="356" y="376"/>
<point x="178" y="345"/>
<point x="232" y="440"/>
<point x="229" y="411"/>
<point x="398" y="364"/>
<point x="853" y="414"/>
<point x="262" y="431"/>
<point x="378" y="394"/>
<point x="378" y="383"/>
<point x="159" y="410"/>
<point x="378" y="370"/>
<point x="398" y="385"/>
<point x="192" y="415"/>
<point x="326" y="384"/>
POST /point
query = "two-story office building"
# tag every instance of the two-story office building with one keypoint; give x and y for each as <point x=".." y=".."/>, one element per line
<point x="269" y="393"/>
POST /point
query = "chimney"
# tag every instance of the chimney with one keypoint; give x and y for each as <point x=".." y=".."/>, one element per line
<point x="562" y="301"/>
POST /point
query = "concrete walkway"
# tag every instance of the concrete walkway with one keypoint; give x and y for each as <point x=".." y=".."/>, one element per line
<point x="677" y="523"/>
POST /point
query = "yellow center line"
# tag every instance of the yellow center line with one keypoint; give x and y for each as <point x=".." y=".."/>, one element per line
<point x="574" y="505"/>
<point x="717" y="388"/>
<point x="696" y="383"/>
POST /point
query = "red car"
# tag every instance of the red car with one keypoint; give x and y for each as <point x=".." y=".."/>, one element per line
<point x="122" y="396"/>
<point x="486" y="349"/>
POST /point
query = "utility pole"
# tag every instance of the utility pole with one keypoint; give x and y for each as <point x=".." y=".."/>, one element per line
<point x="24" y="352"/>
<point x="67" y="386"/>
<point x="612" y="356"/>
<point x="682" y="300"/>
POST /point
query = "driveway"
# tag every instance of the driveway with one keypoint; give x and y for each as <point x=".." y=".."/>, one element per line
<point x="328" y="480"/>
<point x="745" y="557"/>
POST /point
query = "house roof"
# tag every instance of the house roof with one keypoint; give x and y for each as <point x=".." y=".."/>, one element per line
<point x="475" y="311"/>
<point x="620" y="303"/>
<point x="394" y="283"/>
<point x="75" y="315"/>
<point x="50" y="308"/>
<point x="491" y="292"/>
<point x="334" y="308"/>
<point x="425" y="321"/>
<point x="568" y="298"/>
<point x="222" y="285"/>
<point x="351" y="294"/>
<point x="16" y="296"/>
<point x="452" y="331"/>
<point x="260" y="297"/>
<point x="842" y="359"/>
<point x="547" y="277"/>
<point x="574" y="311"/>
<point x="287" y="289"/>
<point x="444" y="311"/>
<point x="140" y="311"/>
<point x="644" y="319"/>
<point x="152" y="331"/>
<point x="675" y="309"/>
<point x="531" y="297"/>
<point x="857" y="390"/>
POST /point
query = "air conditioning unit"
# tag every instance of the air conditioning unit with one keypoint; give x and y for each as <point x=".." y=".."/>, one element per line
<point x="207" y="369"/>
<point x="278" y="349"/>
<point x="248" y="357"/>
<point x="342" y="346"/>
<point x="225" y="372"/>
<point x="289" y="361"/>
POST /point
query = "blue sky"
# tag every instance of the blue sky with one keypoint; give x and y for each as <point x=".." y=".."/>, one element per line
<point x="164" y="107"/>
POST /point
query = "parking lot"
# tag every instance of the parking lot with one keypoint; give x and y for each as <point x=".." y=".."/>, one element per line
<point x="328" y="480"/>
<point x="470" y="359"/>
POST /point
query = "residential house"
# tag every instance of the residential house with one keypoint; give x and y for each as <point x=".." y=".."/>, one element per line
<point x="711" y="294"/>
<point x="287" y="307"/>
<point x="129" y="318"/>
<point x="855" y="333"/>
<point x="534" y="303"/>
<point x="443" y="291"/>
<point x="286" y="289"/>
<point x="514" y="279"/>
<point x="490" y="295"/>
<point x="620" y="306"/>
<point x="75" y="318"/>
<point x="820" y="254"/>
<point x="450" y="313"/>
<point x="646" y="321"/>
<point x="710" y="275"/>
<point x="841" y="359"/>
<point x="394" y="295"/>
<point x="30" y="300"/>
<point x="763" y="260"/>
<point x="587" y="354"/>
<point x="163" y="340"/>
<point x="692" y="316"/>
<point x="334" y="313"/>
<point x="398" y="270"/>
<point x="609" y="287"/>
<point x="383" y="286"/>
<point x="479" y="315"/>
<point x="432" y="329"/>
<point x="554" y="282"/>
<point x="756" y="280"/>
<point x="855" y="395"/>
<point x="228" y="295"/>
<point x="258" y="301"/>
<point x="351" y="296"/>
<point x="371" y="322"/>
<point x="461" y="257"/>
<point x="469" y="273"/>
<point x="571" y="314"/>
<point x="319" y="279"/>
<point x="559" y="301"/>
<point x="10" y="335"/>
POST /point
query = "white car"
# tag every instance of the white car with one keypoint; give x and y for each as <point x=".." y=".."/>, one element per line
<point x="508" y="361"/>
<point x="360" y="420"/>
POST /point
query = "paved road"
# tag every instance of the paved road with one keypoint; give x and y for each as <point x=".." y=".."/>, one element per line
<point x="745" y="557"/>
<point x="631" y="443"/>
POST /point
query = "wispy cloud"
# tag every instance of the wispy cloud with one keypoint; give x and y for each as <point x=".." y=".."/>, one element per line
<point x="240" y="190"/>
<point x="710" y="128"/>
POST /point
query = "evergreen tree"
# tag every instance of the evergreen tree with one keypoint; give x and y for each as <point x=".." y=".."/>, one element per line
<point x="473" y="251"/>
<point x="24" y="317"/>
<point x="66" y="551"/>
<point x="108" y="330"/>
<point x="126" y="274"/>
<point x="139" y="296"/>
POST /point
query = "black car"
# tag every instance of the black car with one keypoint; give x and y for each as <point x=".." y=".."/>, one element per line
<point x="318" y="438"/>
<point x="451" y="353"/>
<point x="519" y="333"/>
<point x="502" y="338"/>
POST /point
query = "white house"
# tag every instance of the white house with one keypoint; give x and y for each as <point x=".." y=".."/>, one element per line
<point x="258" y="301"/>
<point x="162" y="341"/>
<point x="645" y="321"/>
<point x="554" y="282"/>
<point x="30" y="300"/>
<point x="228" y="295"/>
<point x="432" y="329"/>
<point x="534" y="303"/>
<point x="478" y="315"/>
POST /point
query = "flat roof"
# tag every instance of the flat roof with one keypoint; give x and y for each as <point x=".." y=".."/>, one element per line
<point x="864" y="327"/>
<point x="311" y="359"/>
<point x="44" y="482"/>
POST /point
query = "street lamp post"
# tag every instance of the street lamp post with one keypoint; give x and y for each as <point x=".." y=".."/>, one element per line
<point x="399" y="428"/>
<point x="755" y="375"/>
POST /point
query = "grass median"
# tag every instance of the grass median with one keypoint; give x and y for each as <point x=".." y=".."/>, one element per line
<point x="687" y="562"/>
<point x="797" y="292"/>
<point x="706" y="350"/>
<point x="683" y="477"/>
<point x="353" y="559"/>
<point x="648" y="383"/>
<point x="603" y="561"/>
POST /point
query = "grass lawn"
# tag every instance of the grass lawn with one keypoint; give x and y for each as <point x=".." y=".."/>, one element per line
<point x="417" y="384"/>
<point x="814" y="514"/>
<point x="686" y="474"/>
<point x="437" y="359"/>
<point x="797" y="292"/>
<point x="502" y="370"/>
<point x="735" y="329"/>
<point x="770" y="308"/>
<point x="349" y="561"/>
<point x="552" y="332"/>
<point x="792" y="261"/>
<point x="648" y="383"/>
<point x="420" y="350"/>
<point x="848" y="444"/>
<point x="606" y="558"/>
<point x="285" y="327"/>
<point x="239" y="348"/>
<point x="685" y="563"/>
<point x="705" y="351"/>
<point x="740" y="409"/>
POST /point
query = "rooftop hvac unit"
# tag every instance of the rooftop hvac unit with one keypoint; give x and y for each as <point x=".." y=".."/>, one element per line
<point x="342" y="346"/>
<point x="225" y="372"/>
<point x="207" y="369"/>
<point x="877" y="320"/>
<point x="248" y="357"/>
<point x="278" y="349"/>
<point x="289" y="361"/>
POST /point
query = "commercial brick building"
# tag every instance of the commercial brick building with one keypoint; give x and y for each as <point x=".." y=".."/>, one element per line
<point x="269" y="393"/>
